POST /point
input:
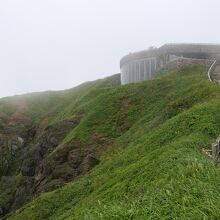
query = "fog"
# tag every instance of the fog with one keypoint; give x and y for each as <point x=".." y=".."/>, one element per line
<point x="58" y="44"/>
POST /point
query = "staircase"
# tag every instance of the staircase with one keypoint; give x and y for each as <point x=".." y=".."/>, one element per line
<point x="214" y="76"/>
<point x="214" y="72"/>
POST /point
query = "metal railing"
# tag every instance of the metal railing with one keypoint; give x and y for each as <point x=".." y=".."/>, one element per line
<point x="210" y="71"/>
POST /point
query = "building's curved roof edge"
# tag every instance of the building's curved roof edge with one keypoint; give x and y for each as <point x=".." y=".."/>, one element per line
<point x="139" y="55"/>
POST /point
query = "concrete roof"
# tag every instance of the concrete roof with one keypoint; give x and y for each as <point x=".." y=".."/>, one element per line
<point x="208" y="50"/>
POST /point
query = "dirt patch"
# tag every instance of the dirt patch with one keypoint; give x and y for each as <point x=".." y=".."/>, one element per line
<point x="43" y="125"/>
<point x="122" y="122"/>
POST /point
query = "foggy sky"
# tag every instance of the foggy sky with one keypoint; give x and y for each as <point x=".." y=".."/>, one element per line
<point x="58" y="44"/>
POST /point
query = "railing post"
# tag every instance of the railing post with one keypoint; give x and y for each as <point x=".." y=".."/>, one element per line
<point x="214" y="146"/>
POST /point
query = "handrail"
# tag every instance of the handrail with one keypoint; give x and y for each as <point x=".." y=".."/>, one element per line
<point x="210" y="70"/>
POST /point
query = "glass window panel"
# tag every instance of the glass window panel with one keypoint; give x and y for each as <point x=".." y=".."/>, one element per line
<point x="142" y="70"/>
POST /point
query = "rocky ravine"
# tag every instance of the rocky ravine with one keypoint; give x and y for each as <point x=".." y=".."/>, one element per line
<point x="33" y="162"/>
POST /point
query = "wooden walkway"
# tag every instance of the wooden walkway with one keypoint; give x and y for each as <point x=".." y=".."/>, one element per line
<point x="214" y="76"/>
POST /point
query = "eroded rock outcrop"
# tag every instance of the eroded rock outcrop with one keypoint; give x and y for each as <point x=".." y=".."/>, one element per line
<point x="47" y="164"/>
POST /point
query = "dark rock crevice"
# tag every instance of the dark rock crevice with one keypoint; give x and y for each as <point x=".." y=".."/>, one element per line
<point x="46" y="165"/>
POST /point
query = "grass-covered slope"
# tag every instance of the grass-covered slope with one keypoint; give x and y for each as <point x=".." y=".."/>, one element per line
<point x="154" y="168"/>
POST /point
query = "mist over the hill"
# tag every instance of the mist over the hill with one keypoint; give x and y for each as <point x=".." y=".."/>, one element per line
<point x="58" y="44"/>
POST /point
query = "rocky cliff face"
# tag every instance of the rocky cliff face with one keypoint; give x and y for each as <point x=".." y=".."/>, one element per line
<point x="16" y="131"/>
<point x="34" y="154"/>
<point x="41" y="169"/>
<point x="27" y="165"/>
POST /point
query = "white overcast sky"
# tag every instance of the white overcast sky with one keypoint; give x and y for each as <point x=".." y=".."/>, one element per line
<point x="58" y="44"/>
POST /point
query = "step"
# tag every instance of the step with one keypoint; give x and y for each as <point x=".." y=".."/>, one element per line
<point x="215" y="74"/>
<point x="217" y="68"/>
<point x="216" y="78"/>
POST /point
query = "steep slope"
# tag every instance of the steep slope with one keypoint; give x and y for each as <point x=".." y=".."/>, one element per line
<point x="147" y="138"/>
<point x="153" y="167"/>
<point x="30" y="133"/>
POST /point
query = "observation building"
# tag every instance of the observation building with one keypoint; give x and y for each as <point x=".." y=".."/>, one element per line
<point x="145" y="64"/>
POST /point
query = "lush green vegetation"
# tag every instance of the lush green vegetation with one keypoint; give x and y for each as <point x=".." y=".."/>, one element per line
<point x="8" y="187"/>
<point x="7" y="109"/>
<point x="154" y="168"/>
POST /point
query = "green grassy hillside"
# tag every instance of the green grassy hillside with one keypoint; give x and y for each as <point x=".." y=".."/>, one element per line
<point x="152" y="167"/>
